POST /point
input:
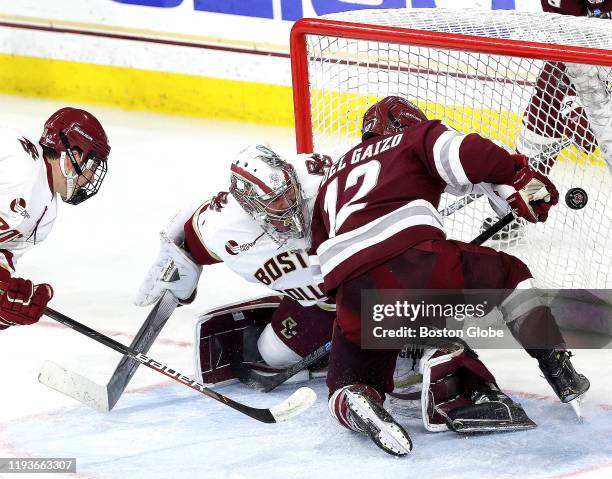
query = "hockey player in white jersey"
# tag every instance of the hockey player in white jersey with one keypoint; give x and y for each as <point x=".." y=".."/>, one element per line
<point x="259" y="229"/>
<point x="71" y="162"/>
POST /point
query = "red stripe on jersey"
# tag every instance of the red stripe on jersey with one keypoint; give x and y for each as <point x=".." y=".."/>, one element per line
<point x="193" y="243"/>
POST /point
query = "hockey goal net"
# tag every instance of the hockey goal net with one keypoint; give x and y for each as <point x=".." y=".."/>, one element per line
<point x="477" y="71"/>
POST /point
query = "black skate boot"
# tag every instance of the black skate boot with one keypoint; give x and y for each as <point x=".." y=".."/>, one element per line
<point x="562" y="377"/>
<point x="368" y="416"/>
<point x="491" y="411"/>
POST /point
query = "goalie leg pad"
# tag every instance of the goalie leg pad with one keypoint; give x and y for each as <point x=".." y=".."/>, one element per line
<point x="224" y="331"/>
<point x="459" y="393"/>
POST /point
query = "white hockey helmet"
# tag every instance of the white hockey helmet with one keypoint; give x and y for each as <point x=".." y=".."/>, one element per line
<point x="267" y="188"/>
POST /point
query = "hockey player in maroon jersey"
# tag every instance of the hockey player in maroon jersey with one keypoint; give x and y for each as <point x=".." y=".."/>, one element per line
<point x="375" y="225"/>
<point x="70" y="163"/>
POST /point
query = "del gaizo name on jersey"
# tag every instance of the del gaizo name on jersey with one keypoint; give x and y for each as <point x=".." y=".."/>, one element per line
<point x="364" y="153"/>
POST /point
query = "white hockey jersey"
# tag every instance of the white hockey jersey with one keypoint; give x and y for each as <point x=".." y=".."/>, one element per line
<point x="28" y="205"/>
<point x="232" y="236"/>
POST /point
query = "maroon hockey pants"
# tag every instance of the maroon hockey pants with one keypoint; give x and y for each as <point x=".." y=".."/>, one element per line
<point x="436" y="264"/>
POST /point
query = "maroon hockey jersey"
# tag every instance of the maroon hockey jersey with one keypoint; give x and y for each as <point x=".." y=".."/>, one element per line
<point x="576" y="7"/>
<point x="381" y="197"/>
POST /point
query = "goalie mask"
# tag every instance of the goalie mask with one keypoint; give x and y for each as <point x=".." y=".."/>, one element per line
<point x="267" y="188"/>
<point x="390" y="115"/>
<point x="69" y="130"/>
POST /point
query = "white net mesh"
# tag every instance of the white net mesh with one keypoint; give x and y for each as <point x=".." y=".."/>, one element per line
<point x="504" y="98"/>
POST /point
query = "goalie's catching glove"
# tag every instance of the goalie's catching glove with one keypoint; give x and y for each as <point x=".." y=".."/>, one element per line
<point x="21" y="301"/>
<point x="173" y="271"/>
<point x="535" y="193"/>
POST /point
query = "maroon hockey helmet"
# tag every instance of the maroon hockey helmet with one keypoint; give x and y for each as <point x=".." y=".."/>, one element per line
<point x="69" y="129"/>
<point x="390" y="115"/>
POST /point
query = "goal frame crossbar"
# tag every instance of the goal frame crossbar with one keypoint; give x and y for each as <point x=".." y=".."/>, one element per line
<point x="418" y="38"/>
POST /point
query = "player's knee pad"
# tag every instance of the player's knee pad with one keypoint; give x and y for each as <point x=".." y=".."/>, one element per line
<point x="302" y="329"/>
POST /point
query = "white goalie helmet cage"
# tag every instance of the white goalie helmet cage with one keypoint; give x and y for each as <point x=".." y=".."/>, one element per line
<point x="267" y="188"/>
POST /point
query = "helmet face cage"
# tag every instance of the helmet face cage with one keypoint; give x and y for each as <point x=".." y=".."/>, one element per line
<point x="98" y="169"/>
<point x="280" y="212"/>
<point x="89" y="189"/>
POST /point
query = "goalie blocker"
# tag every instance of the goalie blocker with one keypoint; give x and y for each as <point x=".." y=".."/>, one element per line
<point x="458" y="392"/>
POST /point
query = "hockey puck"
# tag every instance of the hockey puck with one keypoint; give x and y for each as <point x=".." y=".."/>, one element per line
<point x="576" y="198"/>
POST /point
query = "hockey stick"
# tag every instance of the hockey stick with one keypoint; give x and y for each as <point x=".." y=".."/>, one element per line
<point x="267" y="383"/>
<point x="297" y="403"/>
<point x="460" y="203"/>
<point x="548" y="154"/>
<point x="495" y="228"/>
<point x="104" y="398"/>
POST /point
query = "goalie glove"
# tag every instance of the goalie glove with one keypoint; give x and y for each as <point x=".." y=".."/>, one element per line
<point x="173" y="271"/>
<point x="535" y="193"/>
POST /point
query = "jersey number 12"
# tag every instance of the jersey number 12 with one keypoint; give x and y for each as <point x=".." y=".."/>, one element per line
<point x="369" y="171"/>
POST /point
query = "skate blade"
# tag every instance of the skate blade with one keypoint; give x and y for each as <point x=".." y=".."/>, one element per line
<point x="576" y="404"/>
<point x="389" y="436"/>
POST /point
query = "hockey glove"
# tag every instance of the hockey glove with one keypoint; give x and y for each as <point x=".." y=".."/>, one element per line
<point x="173" y="271"/>
<point x="535" y="193"/>
<point x="22" y="302"/>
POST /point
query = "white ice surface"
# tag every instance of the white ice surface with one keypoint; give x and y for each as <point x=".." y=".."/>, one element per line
<point x="95" y="259"/>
